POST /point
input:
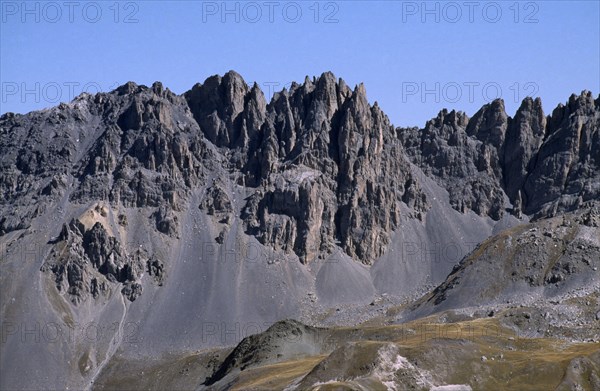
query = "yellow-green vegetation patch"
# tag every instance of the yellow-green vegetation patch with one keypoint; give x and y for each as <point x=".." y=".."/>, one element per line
<point x="479" y="352"/>
<point x="276" y="376"/>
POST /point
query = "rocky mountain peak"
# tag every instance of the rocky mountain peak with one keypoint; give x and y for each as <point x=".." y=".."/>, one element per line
<point x="127" y="88"/>
<point x="452" y="120"/>
<point x="523" y="138"/>
<point x="217" y="104"/>
<point x="323" y="167"/>
<point x="489" y="124"/>
<point x="543" y="164"/>
<point x="322" y="127"/>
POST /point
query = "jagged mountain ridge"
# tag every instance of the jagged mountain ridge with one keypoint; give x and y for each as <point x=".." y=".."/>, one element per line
<point x="543" y="164"/>
<point x="147" y="151"/>
<point x="144" y="193"/>
<point x="147" y="147"/>
<point x="324" y="168"/>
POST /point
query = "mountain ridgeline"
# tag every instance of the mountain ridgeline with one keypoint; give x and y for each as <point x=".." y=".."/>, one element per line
<point x="198" y="217"/>
<point x="324" y="165"/>
<point x="321" y="169"/>
<point x="543" y="164"/>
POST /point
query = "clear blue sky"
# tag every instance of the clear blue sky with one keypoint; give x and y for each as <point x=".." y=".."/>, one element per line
<point x="463" y="54"/>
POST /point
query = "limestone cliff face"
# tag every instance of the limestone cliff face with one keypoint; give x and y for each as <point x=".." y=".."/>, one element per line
<point x="466" y="166"/>
<point x="543" y="164"/>
<point x="523" y="140"/>
<point x="322" y="170"/>
<point x="325" y="165"/>
<point x="566" y="172"/>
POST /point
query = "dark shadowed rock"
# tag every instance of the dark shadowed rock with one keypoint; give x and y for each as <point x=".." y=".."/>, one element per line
<point x="523" y="139"/>
<point x="567" y="165"/>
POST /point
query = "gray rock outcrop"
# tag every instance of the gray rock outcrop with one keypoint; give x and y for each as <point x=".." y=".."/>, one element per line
<point x="532" y="164"/>
<point x="321" y="167"/>
<point x="86" y="261"/>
